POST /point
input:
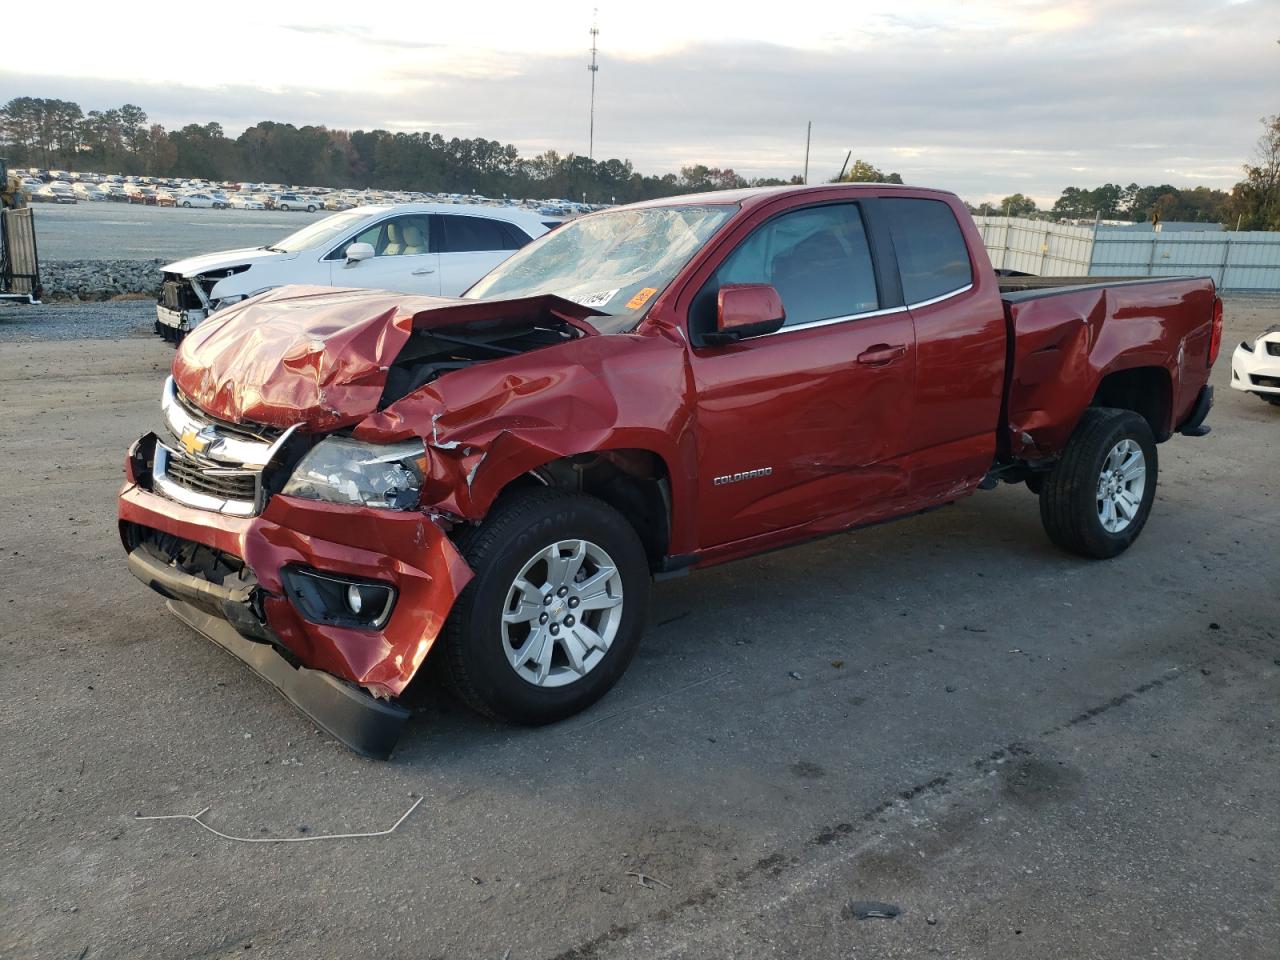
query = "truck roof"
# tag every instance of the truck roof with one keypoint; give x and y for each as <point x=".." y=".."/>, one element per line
<point x="750" y="196"/>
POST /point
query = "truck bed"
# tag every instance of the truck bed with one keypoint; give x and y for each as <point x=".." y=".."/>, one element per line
<point x="1072" y="342"/>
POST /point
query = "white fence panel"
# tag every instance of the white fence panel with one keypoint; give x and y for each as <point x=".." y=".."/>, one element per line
<point x="1037" y="247"/>
<point x="1248" y="261"/>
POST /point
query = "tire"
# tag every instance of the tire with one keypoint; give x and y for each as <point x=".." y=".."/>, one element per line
<point x="1271" y="398"/>
<point x="186" y="203"/>
<point x="1071" y="507"/>
<point x="284" y="206"/>
<point x="311" y="208"/>
<point x="481" y="648"/>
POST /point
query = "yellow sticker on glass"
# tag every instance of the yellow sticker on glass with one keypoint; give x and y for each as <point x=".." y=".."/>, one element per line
<point x="641" y="298"/>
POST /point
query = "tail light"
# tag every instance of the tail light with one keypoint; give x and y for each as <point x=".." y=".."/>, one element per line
<point x="1215" y="336"/>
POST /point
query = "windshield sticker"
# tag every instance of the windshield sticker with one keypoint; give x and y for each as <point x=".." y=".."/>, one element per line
<point x="596" y="299"/>
<point x="641" y="298"/>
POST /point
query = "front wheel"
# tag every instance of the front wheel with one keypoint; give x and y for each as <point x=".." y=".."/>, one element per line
<point x="1097" y="499"/>
<point x="555" y="611"/>
<point x="186" y="203"/>
<point x="311" y="208"/>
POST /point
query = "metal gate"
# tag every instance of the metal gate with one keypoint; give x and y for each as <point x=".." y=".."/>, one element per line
<point x="19" y="263"/>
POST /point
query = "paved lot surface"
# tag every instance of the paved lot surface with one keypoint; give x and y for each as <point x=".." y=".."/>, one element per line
<point x="122" y="231"/>
<point x="1027" y="754"/>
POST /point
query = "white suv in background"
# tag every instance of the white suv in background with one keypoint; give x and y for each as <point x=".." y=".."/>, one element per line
<point x="439" y="249"/>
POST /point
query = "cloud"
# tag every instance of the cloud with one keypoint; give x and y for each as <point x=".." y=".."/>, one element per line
<point x="986" y="101"/>
<point x="360" y="35"/>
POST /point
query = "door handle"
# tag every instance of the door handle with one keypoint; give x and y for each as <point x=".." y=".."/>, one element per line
<point x="881" y="354"/>
<point x="424" y="270"/>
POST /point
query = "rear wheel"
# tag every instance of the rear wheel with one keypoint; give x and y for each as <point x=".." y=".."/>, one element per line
<point x="186" y="203"/>
<point x="1097" y="499"/>
<point x="555" y="611"/>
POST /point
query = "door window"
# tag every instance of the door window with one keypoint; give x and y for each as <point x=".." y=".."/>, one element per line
<point x="397" y="237"/>
<point x="816" y="258"/>
<point x="933" y="259"/>
<point x="470" y="234"/>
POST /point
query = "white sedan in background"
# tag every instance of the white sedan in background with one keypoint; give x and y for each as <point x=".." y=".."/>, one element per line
<point x="439" y="249"/>
<point x="200" y="200"/>
<point x="245" y="203"/>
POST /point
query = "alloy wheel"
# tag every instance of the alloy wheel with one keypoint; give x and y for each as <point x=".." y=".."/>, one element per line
<point x="562" y="613"/>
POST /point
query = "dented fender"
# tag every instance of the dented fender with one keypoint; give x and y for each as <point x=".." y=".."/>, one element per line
<point x="487" y="425"/>
<point x="1065" y="342"/>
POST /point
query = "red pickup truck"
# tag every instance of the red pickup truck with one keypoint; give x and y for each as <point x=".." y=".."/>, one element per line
<point x="352" y="480"/>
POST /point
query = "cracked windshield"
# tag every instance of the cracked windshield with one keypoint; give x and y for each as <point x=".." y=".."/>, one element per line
<point x="615" y="262"/>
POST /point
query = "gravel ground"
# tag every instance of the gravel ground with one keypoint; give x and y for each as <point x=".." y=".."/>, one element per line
<point x="94" y="231"/>
<point x="1029" y="755"/>
<point x="111" y="320"/>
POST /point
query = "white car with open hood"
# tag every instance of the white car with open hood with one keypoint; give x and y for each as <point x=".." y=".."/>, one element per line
<point x="425" y="248"/>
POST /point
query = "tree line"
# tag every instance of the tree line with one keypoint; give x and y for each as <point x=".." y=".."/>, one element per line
<point x="59" y="134"/>
<point x="1252" y="204"/>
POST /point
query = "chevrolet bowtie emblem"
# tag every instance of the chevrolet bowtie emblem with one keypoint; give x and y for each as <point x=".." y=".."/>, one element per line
<point x="196" y="442"/>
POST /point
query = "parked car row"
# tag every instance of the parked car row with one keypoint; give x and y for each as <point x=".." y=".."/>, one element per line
<point x="264" y="196"/>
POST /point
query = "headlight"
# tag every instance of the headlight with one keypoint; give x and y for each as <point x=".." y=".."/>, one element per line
<point x="340" y="470"/>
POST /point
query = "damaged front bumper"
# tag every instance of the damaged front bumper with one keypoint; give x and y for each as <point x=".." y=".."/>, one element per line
<point x="270" y="589"/>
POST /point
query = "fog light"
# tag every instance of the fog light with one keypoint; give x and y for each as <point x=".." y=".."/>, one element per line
<point x="339" y="600"/>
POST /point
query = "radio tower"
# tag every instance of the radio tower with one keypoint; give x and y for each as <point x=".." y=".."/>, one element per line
<point x="594" y="68"/>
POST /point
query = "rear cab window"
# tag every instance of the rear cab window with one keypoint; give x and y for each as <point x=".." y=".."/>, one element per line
<point x="933" y="259"/>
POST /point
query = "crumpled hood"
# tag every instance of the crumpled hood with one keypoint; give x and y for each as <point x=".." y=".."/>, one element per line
<point x="318" y="356"/>
<point x="224" y="259"/>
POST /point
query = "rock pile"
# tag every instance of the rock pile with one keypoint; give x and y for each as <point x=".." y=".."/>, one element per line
<point x="99" y="279"/>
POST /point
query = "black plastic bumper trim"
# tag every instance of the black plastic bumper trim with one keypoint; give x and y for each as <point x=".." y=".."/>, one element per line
<point x="1194" y="426"/>
<point x="369" y="726"/>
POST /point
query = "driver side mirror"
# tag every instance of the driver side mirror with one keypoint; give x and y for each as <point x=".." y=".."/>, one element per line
<point x="746" y="310"/>
<point x="357" y="252"/>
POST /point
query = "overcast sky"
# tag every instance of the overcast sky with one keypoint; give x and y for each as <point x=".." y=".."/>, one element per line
<point x="984" y="98"/>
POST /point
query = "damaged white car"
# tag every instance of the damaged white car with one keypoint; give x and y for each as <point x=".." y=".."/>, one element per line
<point x="424" y="248"/>
<point x="1255" y="367"/>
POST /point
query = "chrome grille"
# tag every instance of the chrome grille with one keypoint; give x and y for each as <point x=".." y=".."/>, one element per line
<point x="212" y="465"/>
<point x="216" y="482"/>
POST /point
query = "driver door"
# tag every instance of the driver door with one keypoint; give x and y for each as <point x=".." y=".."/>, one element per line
<point x="803" y="430"/>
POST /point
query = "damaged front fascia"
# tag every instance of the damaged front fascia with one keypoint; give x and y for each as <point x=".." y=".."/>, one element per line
<point x="408" y="549"/>
<point x="320" y="358"/>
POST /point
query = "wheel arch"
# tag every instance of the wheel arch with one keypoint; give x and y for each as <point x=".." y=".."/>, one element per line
<point x="1146" y="390"/>
<point x="635" y="481"/>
